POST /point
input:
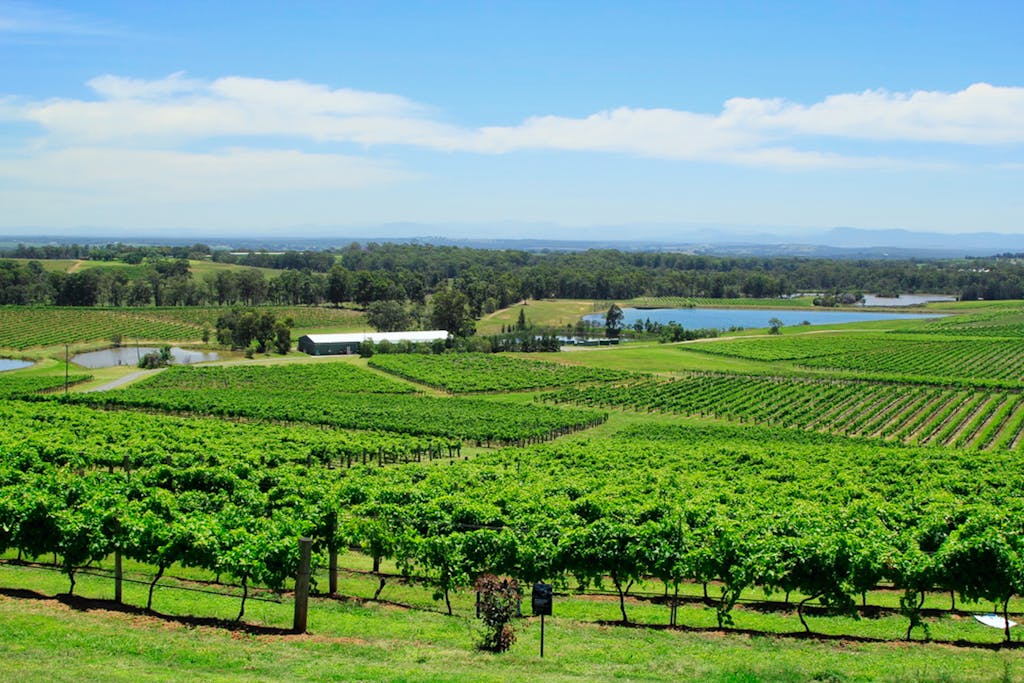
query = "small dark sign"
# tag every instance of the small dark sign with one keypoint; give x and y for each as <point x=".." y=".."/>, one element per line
<point x="542" y="599"/>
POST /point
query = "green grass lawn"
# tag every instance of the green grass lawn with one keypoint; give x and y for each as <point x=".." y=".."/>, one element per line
<point x="47" y="635"/>
<point x="543" y="313"/>
<point x="702" y="302"/>
<point x="656" y="358"/>
<point x="72" y="265"/>
<point x="200" y="268"/>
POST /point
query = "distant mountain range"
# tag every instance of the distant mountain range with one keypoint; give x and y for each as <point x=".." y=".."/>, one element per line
<point x="840" y="242"/>
<point x="974" y="243"/>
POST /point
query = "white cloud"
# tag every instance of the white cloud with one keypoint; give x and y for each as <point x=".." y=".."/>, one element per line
<point x="660" y="133"/>
<point x="649" y="132"/>
<point x="980" y="114"/>
<point x="304" y="97"/>
<point x="176" y="109"/>
<point x="120" y="88"/>
<point x="172" y="112"/>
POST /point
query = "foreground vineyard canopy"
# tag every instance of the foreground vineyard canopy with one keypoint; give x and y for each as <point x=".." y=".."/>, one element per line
<point x="839" y="472"/>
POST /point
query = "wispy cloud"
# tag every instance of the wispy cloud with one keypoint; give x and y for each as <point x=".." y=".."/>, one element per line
<point x="662" y="134"/>
<point x="178" y="109"/>
<point x="25" y="19"/>
<point x="169" y="112"/>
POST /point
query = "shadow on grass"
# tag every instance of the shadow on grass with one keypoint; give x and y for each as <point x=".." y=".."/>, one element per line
<point x="358" y="601"/>
<point x="803" y="635"/>
<point x="780" y="607"/>
<point x="81" y="604"/>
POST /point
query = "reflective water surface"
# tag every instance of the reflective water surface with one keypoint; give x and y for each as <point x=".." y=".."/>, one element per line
<point x="726" y="318"/>
<point x="129" y="355"/>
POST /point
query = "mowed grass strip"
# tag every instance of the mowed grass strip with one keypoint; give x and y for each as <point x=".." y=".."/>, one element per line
<point x="52" y="638"/>
<point x="543" y="313"/>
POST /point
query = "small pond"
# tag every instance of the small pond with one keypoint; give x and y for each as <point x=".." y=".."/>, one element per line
<point x="11" y="364"/>
<point x="129" y="355"/>
<point x="749" y="318"/>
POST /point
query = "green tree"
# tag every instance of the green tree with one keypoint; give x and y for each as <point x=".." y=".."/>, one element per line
<point x="521" y="323"/>
<point x="775" y="326"/>
<point x="241" y="327"/>
<point x="157" y="359"/>
<point x="450" y="311"/>
<point x="338" y="287"/>
<point x="388" y="316"/>
<point x="283" y="335"/>
<point x="613" y="322"/>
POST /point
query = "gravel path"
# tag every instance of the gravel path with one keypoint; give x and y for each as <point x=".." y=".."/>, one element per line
<point x="123" y="380"/>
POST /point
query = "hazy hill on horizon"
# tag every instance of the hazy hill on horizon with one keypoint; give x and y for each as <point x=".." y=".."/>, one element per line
<point x="837" y="242"/>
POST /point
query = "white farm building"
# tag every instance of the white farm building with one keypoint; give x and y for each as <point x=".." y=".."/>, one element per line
<point x="334" y="344"/>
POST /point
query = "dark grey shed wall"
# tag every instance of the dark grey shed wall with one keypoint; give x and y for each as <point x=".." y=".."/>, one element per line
<point x="306" y="345"/>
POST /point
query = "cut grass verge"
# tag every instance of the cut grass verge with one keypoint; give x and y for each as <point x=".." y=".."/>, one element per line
<point x="49" y="636"/>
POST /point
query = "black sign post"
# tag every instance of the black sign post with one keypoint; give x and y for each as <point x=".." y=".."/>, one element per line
<point x="542" y="636"/>
<point x="541" y="603"/>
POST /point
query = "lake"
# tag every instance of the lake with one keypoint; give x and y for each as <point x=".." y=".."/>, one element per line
<point x="726" y="318"/>
<point x="129" y="355"/>
<point x="11" y="364"/>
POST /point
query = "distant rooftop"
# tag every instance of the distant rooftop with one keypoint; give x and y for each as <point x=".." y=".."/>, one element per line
<point x="377" y="337"/>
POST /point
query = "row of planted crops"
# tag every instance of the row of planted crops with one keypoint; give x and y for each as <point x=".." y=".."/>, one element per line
<point x="737" y="509"/>
<point x="335" y="395"/>
<point x="156" y="474"/>
<point x="907" y="413"/>
<point x="23" y="327"/>
<point x="985" y="361"/>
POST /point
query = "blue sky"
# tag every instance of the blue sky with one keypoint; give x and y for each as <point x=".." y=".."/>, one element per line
<point x="543" y="118"/>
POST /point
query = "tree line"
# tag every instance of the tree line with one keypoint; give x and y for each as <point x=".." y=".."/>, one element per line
<point x="489" y="279"/>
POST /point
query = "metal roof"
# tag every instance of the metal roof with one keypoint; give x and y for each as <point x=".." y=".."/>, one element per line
<point x="377" y="337"/>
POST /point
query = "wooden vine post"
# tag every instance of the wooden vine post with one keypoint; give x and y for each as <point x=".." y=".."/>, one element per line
<point x="332" y="548"/>
<point x="302" y="586"/>
<point x="118" y="577"/>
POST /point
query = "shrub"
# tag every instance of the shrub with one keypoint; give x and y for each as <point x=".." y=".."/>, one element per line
<point x="499" y="604"/>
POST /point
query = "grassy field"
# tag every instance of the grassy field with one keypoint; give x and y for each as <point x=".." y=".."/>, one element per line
<point x="74" y="265"/>
<point x="199" y="268"/>
<point x="405" y="637"/>
<point x="700" y="302"/>
<point x="658" y="358"/>
<point x="43" y="331"/>
<point x="540" y="313"/>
